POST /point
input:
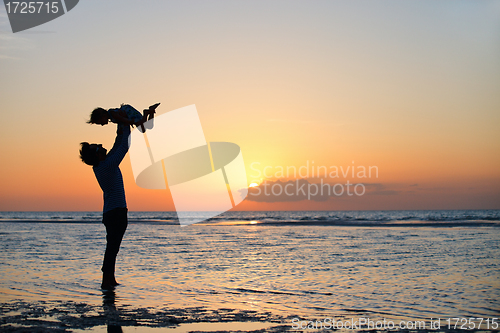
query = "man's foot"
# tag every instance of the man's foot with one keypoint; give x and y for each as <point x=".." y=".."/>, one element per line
<point x="107" y="286"/>
<point x="108" y="281"/>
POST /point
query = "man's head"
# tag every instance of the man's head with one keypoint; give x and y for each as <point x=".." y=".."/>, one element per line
<point x="99" y="116"/>
<point x="92" y="154"/>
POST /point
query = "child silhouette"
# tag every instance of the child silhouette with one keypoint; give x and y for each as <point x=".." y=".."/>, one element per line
<point x="126" y="114"/>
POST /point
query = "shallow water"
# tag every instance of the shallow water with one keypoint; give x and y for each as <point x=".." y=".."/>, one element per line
<point x="311" y="271"/>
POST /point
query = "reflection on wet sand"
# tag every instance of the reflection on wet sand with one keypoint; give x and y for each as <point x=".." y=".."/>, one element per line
<point x="109" y="307"/>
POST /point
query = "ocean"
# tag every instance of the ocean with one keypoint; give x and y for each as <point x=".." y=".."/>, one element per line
<point x="269" y="217"/>
<point x="251" y="266"/>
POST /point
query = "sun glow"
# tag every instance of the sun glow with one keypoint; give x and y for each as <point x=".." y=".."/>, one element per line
<point x="253" y="185"/>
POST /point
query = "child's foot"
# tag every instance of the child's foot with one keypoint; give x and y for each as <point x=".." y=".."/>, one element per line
<point x="153" y="107"/>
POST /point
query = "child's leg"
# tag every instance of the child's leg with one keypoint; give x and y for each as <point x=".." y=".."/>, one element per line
<point x="140" y="124"/>
<point x="151" y="114"/>
<point x="145" y="114"/>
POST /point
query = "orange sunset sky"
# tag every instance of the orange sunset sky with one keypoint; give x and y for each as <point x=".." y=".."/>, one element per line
<point x="411" y="87"/>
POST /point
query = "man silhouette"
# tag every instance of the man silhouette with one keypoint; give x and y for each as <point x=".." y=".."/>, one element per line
<point x="108" y="174"/>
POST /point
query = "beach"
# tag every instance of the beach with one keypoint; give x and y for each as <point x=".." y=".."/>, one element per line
<point x="247" y="271"/>
<point x="291" y="166"/>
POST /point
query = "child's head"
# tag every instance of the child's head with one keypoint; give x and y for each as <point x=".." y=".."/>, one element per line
<point x="99" y="116"/>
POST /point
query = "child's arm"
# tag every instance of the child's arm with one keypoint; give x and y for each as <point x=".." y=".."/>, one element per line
<point x="121" y="117"/>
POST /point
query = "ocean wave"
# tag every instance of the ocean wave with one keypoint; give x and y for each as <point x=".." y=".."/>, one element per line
<point x="270" y="217"/>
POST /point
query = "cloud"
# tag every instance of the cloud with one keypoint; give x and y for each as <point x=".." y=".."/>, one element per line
<point x="379" y="189"/>
<point x="4" y="19"/>
<point x="3" y="56"/>
<point x="303" y="189"/>
<point x="11" y="43"/>
<point x="297" y="121"/>
<point x="294" y="121"/>
<point x="289" y="191"/>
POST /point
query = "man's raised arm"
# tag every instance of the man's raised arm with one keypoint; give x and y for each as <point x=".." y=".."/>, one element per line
<point x="120" y="147"/>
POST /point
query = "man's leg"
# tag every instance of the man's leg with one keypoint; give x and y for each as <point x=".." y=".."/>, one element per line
<point x="116" y="224"/>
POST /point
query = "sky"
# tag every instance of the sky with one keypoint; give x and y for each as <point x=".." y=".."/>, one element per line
<point x="409" y="88"/>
